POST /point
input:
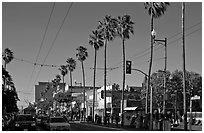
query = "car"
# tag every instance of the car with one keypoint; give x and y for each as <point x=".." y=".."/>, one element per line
<point x="25" y="122"/>
<point x="6" y="121"/>
<point x="58" y="123"/>
<point x="44" y="119"/>
<point x="38" y="120"/>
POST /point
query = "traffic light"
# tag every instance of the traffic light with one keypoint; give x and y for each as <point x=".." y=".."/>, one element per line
<point x="102" y="94"/>
<point x="128" y="67"/>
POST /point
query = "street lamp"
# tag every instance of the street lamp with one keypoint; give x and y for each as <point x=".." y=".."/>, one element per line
<point x="164" y="43"/>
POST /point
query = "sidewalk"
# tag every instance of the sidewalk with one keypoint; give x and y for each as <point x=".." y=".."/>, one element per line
<point x="113" y="125"/>
<point x="181" y="127"/>
<point x="129" y="128"/>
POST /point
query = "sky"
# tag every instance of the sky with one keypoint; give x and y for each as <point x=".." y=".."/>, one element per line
<point x="24" y="25"/>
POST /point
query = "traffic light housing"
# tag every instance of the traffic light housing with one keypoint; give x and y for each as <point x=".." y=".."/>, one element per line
<point x="102" y="94"/>
<point x="128" y="67"/>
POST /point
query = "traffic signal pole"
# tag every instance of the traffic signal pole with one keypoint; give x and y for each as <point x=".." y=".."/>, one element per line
<point x="128" y="71"/>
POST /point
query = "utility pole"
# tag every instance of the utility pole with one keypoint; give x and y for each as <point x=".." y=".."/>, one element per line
<point x="184" y="68"/>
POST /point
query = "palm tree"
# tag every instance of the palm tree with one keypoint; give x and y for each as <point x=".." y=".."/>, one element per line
<point x="56" y="81"/>
<point x="155" y="10"/>
<point x="96" y="41"/>
<point x="124" y="29"/>
<point x="81" y="56"/>
<point x="7" y="57"/>
<point x="71" y="64"/>
<point x="107" y="29"/>
<point x="63" y="70"/>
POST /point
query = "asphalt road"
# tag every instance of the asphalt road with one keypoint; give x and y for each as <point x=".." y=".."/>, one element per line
<point x="76" y="126"/>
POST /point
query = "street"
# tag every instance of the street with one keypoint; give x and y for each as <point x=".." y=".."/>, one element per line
<point x="84" y="126"/>
<point x="77" y="126"/>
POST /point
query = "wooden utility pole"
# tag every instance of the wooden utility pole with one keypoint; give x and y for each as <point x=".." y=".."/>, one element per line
<point x="184" y="67"/>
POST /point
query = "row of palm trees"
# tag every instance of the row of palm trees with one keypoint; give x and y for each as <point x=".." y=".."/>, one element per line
<point x="121" y="27"/>
<point x="81" y="55"/>
<point x="107" y="30"/>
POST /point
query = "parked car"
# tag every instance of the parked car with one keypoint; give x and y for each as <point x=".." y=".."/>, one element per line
<point x="58" y="123"/>
<point x="25" y="122"/>
<point x="7" y="119"/>
<point x="38" y="120"/>
<point x="44" y="119"/>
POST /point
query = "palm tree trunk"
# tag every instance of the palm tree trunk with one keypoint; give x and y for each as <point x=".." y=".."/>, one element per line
<point x="63" y="83"/>
<point x="150" y="67"/>
<point x="70" y="74"/>
<point x="105" y="82"/>
<point x="122" y="110"/>
<point x="84" y="111"/>
<point x="94" y="85"/>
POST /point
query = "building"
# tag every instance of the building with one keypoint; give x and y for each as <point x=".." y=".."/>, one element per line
<point x="43" y="95"/>
<point x="78" y="98"/>
<point x="113" y="100"/>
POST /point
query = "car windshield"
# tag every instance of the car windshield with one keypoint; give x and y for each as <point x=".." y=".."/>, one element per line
<point x="25" y="118"/>
<point x="57" y="120"/>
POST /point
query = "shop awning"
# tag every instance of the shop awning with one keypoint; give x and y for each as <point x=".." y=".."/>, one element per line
<point x="130" y="108"/>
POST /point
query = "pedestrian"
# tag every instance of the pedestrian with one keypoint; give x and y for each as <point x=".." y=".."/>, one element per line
<point x="117" y="120"/>
<point x="141" y="121"/>
<point x="108" y="119"/>
<point x="96" y="118"/>
<point x="133" y="120"/>
<point x="112" y="119"/>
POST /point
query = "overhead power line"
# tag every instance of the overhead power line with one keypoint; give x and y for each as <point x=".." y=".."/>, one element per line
<point x="138" y="55"/>
<point x="135" y="55"/>
<point x="36" y="64"/>
<point x="143" y="54"/>
<point x="41" y="44"/>
<point x="54" y="40"/>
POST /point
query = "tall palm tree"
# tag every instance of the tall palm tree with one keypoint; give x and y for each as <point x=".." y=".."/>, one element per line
<point x="7" y="57"/>
<point x="64" y="71"/>
<point x="96" y="41"/>
<point x="71" y="64"/>
<point x="107" y="29"/>
<point x="81" y="55"/>
<point x="155" y="10"/>
<point x="124" y="29"/>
